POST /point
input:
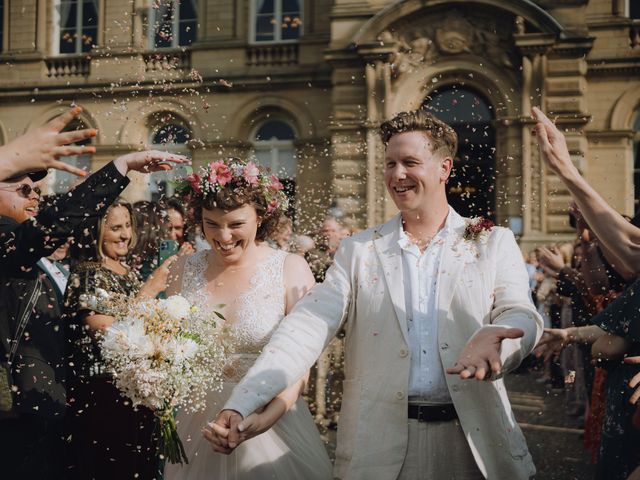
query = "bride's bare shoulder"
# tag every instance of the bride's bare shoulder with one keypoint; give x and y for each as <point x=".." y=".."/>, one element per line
<point x="295" y="263"/>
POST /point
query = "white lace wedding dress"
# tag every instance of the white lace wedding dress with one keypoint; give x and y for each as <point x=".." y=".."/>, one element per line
<point x="292" y="448"/>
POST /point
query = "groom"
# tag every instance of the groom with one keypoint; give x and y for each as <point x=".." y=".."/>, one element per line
<point x="428" y="300"/>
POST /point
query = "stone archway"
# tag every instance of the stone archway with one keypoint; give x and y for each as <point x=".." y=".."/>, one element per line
<point x="503" y="50"/>
<point x="438" y="50"/>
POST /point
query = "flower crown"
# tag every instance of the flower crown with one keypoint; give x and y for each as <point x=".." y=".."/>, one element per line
<point x="235" y="174"/>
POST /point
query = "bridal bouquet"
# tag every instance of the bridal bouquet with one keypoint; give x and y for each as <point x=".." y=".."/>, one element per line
<point x="166" y="354"/>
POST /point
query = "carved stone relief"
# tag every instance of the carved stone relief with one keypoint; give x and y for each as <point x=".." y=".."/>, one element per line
<point x="427" y="39"/>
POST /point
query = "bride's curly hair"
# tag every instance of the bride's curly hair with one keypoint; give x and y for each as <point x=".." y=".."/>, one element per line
<point x="232" y="183"/>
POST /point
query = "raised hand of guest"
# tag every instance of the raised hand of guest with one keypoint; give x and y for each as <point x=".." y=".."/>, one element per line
<point x="41" y="148"/>
<point x="480" y="358"/>
<point x="550" y="259"/>
<point x="612" y="229"/>
<point x="148" y="161"/>
<point x="158" y="280"/>
<point x="552" y="145"/>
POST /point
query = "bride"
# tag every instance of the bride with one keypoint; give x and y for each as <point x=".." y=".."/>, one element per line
<point x="239" y="206"/>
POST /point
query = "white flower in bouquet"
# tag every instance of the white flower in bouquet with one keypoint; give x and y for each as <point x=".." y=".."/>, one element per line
<point x="177" y="307"/>
<point x="166" y="354"/>
<point x="128" y="337"/>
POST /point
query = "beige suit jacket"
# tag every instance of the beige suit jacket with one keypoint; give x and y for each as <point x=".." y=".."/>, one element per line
<point x="482" y="283"/>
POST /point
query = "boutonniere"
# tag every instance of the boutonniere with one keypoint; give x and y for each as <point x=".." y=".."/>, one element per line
<point x="477" y="228"/>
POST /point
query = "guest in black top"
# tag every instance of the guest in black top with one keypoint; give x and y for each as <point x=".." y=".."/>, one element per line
<point x="31" y="433"/>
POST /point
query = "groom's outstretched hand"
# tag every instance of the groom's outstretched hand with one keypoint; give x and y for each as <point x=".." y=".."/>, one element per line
<point x="223" y="433"/>
<point x="481" y="355"/>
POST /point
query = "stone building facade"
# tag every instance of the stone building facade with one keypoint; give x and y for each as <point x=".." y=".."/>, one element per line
<point x="304" y="84"/>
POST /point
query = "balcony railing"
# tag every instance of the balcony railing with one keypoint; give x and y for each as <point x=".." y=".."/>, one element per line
<point x="163" y="61"/>
<point x="72" y="66"/>
<point x="283" y="54"/>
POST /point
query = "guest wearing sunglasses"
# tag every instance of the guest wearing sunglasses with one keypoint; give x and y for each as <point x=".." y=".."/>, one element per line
<point x="32" y="337"/>
<point x="21" y="195"/>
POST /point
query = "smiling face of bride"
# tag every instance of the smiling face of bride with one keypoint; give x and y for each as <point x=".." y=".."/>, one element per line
<point x="231" y="233"/>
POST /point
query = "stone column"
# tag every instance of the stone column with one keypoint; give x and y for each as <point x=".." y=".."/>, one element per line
<point x="611" y="164"/>
<point x="378" y="84"/>
<point x="313" y="182"/>
<point x="565" y="101"/>
<point x="535" y="185"/>
<point x="348" y="137"/>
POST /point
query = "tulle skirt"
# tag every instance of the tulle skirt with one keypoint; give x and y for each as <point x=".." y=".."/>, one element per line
<point x="292" y="449"/>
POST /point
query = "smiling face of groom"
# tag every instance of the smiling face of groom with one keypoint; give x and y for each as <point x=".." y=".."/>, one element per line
<point x="414" y="174"/>
<point x="418" y="159"/>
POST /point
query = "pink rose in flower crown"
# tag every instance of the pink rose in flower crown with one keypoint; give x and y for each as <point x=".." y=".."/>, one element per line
<point x="251" y="173"/>
<point x="220" y="173"/>
<point x="194" y="181"/>
<point x="275" y="183"/>
<point x="273" y="204"/>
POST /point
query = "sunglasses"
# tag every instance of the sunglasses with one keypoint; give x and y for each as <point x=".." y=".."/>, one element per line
<point x="24" y="190"/>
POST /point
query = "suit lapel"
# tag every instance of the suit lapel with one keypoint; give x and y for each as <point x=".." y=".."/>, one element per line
<point x="390" y="256"/>
<point x="451" y="262"/>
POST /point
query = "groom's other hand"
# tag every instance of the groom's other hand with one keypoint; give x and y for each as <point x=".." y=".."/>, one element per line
<point x="224" y="434"/>
<point x="480" y="358"/>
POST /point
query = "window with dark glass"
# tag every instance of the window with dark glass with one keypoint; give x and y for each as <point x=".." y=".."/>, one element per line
<point x="78" y="30"/>
<point x="170" y="134"/>
<point x="274" y="149"/>
<point x="636" y="163"/>
<point x="634" y="9"/>
<point x="167" y="133"/>
<point x="471" y="187"/>
<point x="276" y="20"/>
<point x="173" y="23"/>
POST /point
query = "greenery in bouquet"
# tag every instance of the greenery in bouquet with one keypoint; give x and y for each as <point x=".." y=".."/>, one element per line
<point x="166" y="354"/>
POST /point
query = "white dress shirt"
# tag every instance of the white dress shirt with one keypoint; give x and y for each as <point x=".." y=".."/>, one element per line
<point x="54" y="273"/>
<point x="427" y="383"/>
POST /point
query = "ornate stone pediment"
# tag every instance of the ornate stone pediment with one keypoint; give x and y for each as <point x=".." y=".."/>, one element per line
<point x="426" y="39"/>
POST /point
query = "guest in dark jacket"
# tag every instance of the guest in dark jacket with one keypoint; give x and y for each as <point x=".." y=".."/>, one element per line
<point x="30" y="439"/>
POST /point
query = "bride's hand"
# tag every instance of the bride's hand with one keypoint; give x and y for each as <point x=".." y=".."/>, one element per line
<point x="217" y="432"/>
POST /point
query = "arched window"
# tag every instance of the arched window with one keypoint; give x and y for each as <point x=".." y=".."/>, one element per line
<point x="633" y="9"/>
<point x="276" y="20"/>
<point x="172" y="23"/>
<point x="170" y="134"/>
<point x="167" y="132"/>
<point x="471" y="188"/>
<point x="273" y="148"/>
<point x="636" y="163"/>
<point x="61" y="182"/>
<point x="77" y="25"/>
